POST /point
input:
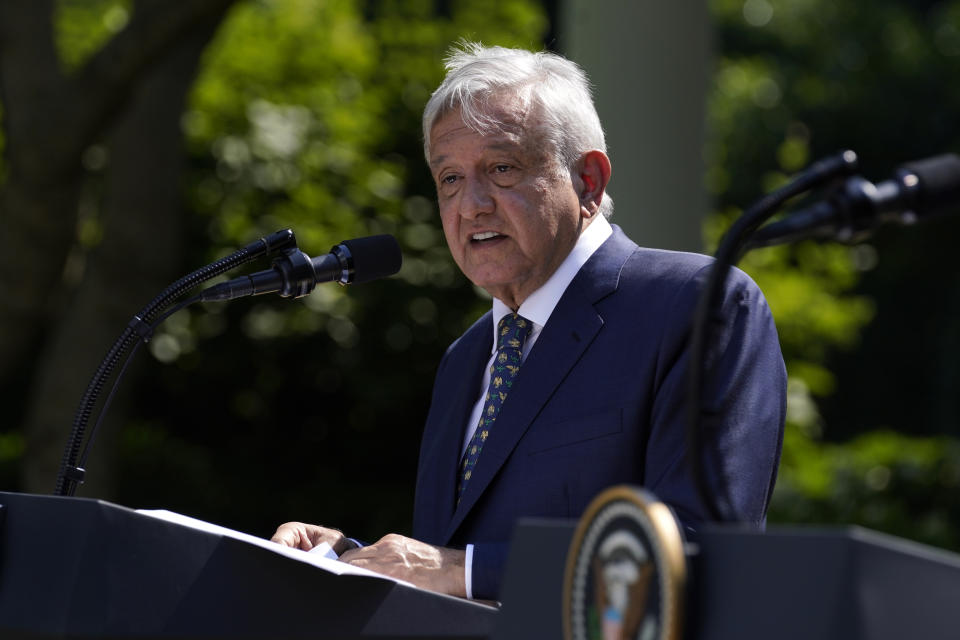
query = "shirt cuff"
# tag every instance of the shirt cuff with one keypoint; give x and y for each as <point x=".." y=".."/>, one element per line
<point x="468" y="571"/>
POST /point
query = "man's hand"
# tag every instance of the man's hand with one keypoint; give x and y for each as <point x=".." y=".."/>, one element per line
<point x="435" y="568"/>
<point x="307" y="536"/>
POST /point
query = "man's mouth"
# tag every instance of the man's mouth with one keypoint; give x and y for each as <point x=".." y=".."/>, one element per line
<point x="484" y="236"/>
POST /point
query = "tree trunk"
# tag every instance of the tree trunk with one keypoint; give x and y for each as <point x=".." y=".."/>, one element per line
<point x="49" y="119"/>
<point x="139" y="256"/>
<point x="37" y="206"/>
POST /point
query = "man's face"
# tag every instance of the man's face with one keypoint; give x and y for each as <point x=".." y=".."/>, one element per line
<point x="510" y="213"/>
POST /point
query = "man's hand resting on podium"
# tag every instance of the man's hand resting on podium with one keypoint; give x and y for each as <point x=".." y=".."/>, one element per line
<point x="426" y="566"/>
<point x="304" y="536"/>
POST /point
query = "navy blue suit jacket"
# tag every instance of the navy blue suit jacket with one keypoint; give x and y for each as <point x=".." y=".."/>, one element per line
<point x="600" y="401"/>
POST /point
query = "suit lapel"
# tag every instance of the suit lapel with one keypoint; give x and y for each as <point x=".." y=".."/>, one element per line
<point x="572" y="326"/>
<point x="439" y="464"/>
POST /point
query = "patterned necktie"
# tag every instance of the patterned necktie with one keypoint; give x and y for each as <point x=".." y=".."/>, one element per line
<point x="512" y="331"/>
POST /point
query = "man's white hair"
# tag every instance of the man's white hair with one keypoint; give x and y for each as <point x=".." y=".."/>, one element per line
<point x="553" y="88"/>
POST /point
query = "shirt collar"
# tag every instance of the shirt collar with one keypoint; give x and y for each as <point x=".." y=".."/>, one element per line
<point x="540" y="304"/>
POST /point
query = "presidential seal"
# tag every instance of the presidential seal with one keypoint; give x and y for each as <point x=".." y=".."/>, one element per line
<point x="626" y="572"/>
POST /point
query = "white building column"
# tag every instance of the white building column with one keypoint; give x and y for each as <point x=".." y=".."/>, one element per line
<point x="649" y="65"/>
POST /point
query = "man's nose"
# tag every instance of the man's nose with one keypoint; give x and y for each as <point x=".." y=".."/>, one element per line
<point x="477" y="200"/>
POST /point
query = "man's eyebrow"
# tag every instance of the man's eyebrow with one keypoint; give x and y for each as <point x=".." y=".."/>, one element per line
<point x="505" y="145"/>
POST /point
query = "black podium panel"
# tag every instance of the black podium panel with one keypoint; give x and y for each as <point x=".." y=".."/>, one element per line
<point x="533" y="582"/>
<point x="850" y="584"/>
<point x="80" y="568"/>
<point x="787" y="583"/>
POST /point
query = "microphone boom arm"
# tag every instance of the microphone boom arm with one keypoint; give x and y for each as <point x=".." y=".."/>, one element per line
<point x="139" y="329"/>
<point x="294" y="274"/>
<point x="727" y="255"/>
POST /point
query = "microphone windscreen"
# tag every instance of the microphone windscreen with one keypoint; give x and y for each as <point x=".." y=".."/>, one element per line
<point x="939" y="182"/>
<point x="374" y="257"/>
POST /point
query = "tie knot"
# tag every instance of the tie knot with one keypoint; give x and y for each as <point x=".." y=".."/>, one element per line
<point x="512" y="331"/>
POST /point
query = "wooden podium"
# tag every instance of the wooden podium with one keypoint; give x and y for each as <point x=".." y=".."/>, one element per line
<point x="81" y="568"/>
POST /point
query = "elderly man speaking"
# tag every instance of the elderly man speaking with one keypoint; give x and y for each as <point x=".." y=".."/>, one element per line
<point x="575" y="380"/>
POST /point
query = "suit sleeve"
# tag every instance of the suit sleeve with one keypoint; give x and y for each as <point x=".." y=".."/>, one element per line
<point x="489" y="563"/>
<point x="742" y="408"/>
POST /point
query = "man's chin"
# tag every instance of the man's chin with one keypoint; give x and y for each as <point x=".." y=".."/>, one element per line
<point x="506" y="294"/>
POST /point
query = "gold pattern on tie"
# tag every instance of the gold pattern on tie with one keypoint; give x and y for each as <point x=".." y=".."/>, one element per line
<point x="512" y="331"/>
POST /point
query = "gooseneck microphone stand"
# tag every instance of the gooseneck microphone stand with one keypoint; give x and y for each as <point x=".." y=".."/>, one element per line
<point x="727" y="255"/>
<point x="138" y="331"/>
<point x="849" y="211"/>
<point x="293" y="274"/>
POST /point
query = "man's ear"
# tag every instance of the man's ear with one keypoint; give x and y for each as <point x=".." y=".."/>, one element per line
<point x="595" y="171"/>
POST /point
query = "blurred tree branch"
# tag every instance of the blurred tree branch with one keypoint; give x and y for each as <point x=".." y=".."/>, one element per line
<point x="45" y="137"/>
<point x="50" y="118"/>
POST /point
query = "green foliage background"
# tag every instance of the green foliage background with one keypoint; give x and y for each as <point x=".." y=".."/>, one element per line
<point x="306" y="114"/>
<point x="866" y="330"/>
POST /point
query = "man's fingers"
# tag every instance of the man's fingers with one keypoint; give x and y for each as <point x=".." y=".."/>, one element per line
<point x="304" y="536"/>
<point x="293" y="534"/>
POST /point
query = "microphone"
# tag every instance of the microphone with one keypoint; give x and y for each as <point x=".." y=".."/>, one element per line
<point x="295" y="274"/>
<point x="918" y="190"/>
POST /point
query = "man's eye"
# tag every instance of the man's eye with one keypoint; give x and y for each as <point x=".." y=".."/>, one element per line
<point x="448" y="179"/>
<point x="501" y="168"/>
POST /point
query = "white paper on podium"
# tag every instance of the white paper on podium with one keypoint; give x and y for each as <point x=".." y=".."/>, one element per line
<point x="318" y="557"/>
